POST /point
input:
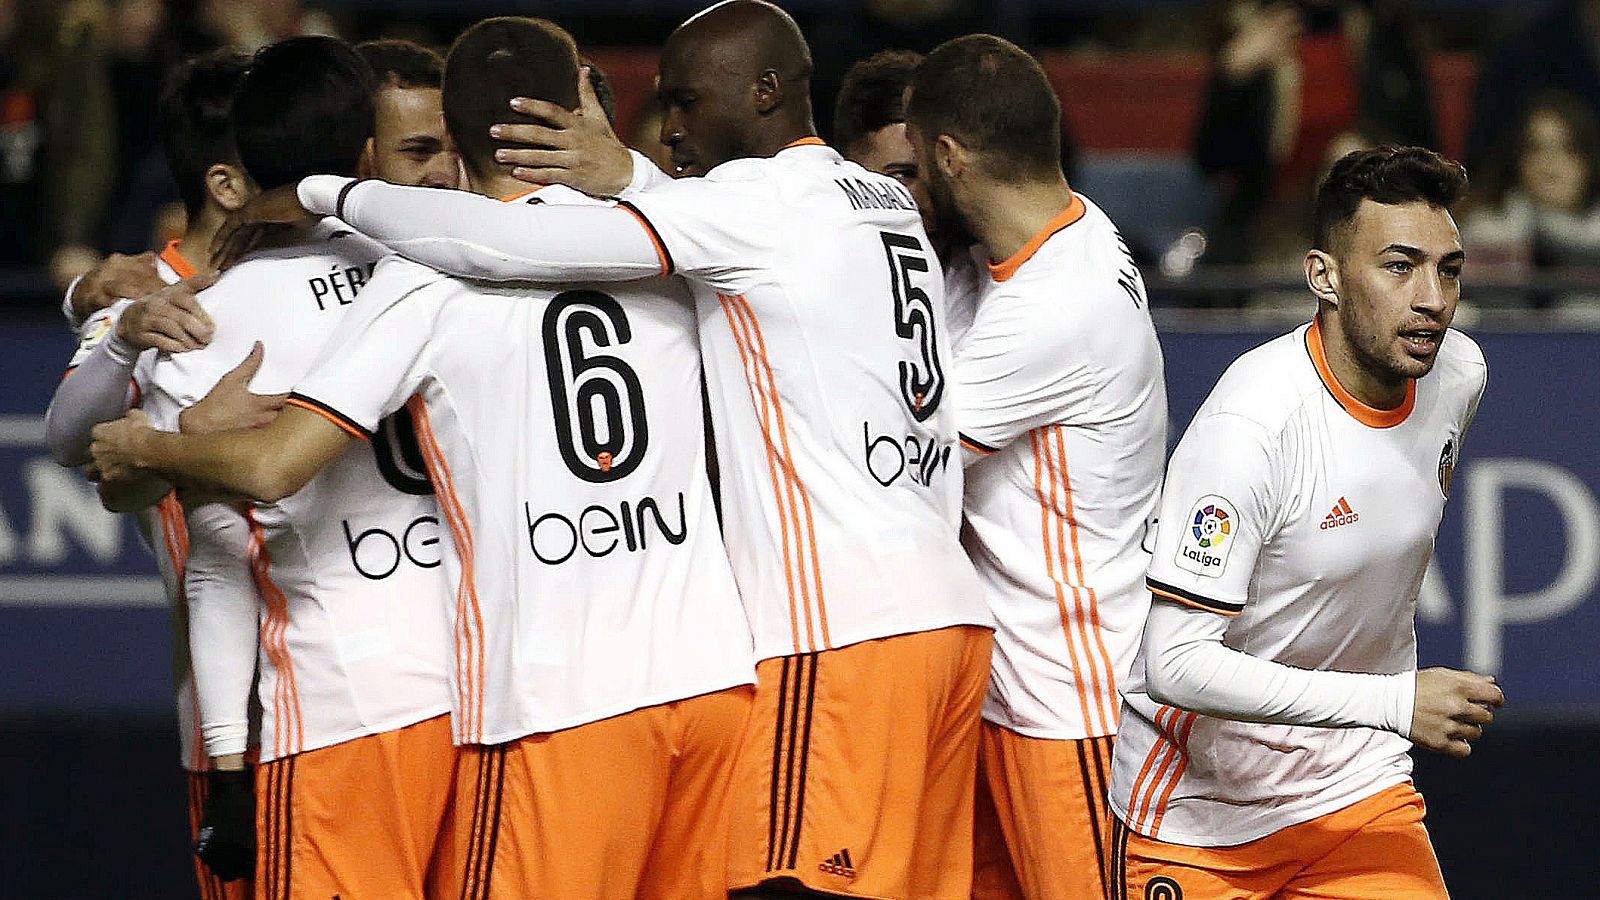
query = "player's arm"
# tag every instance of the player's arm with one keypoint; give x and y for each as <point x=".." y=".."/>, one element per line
<point x="117" y="276"/>
<point x="224" y="611"/>
<point x="1009" y="379"/>
<point x="267" y="463"/>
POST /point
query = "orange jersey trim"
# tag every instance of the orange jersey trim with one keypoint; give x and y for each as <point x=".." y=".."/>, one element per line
<point x="288" y="726"/>
<point x="171" y="256"/>
<point x="1190" y="603"/>
<point x="976" y="448"/>
<point x="344" y="424"/>
<point x="655" y="236"/>
<point x="1002" y="271"/>
<point x="811" y="141"/>
<point x="1370" y="416"/>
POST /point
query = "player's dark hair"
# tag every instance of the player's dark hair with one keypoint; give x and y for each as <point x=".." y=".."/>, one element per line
<point x="494" y="61"/>
<point x="602" y="89"/>
<point x="873" y="96"/>
<point x="192" y="119"/>
<point x="1388" y="175"/>
<point x="304" y="108"/>
<point x="993" y="98"/>
<point x="402" y="64"/>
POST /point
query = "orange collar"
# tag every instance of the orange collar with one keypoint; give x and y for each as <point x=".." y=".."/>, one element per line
<point x="812" y="141"/>
<point x="520" y="194"/>
<point x="1370" y="416"/>
<point x="171" y="256"/>
<point x="1003" y="271"/>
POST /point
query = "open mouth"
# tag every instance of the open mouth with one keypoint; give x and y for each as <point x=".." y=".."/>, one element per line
<point x="1422" y="342"/>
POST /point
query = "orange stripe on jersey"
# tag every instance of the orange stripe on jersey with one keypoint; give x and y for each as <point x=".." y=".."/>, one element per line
<point x="1182" y="747"/>
<point x="758" y="398"/>
<point x="289" y="729"/>
<point x="809" y="141"/>
<point x="975" y="448"/>
<point x="788" y="462"/>
<point x="469" y="615"/>
<point x="171" y="256"/>
<point x="1370" y="416"/>
<point x="655" y="236"/>
<point x="1190" y="603"/>
<point x="1105" y="693"/>
<point x="330" y="415"/>
<point x="1048" y="524"/>
<point x="795" y="485"/>
<point x="1157" y="750"/>
<point x="1002" y="271"/>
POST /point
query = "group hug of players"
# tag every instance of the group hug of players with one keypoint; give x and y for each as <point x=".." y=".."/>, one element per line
<point x="486" y="627"/>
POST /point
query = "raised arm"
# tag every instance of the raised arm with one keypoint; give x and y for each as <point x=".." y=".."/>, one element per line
<point x="477" y="237"/>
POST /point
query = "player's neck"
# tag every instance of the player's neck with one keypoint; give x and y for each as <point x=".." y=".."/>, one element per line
<point x="1379" y="390"/>
<point x="195" y="245"/>
<point x="498" y="186"/>
<point x="1010" y="214"/>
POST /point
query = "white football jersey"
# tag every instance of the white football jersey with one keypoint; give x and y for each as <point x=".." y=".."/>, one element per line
<point x="564" y="431"/>
<point x="354" y="633"/>
<point x="161" y="526"/>
<point x="1062" y="407"/>
<point x="1309" y="518"/>
<point x="822" y="329"/>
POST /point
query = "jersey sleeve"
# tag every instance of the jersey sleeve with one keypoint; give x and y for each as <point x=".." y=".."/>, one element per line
<point x="713" y="230"/>
<point x="98" y="388"/>
<point x="224" y="611"/>
<point x="1010" y="379"/>
<point x="1218" y="508"/>
<point x="378" y="356"/>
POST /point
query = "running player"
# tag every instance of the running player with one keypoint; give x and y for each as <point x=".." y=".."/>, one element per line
<point x="1264" y="745"/>
<point x="408" y="144"/>
<point x="193" y="115"/>
<point x="821" y="330"/>
<point x="603" y="656"/>
<point x="357" y="763"/>
<point x="1062" y="407"/>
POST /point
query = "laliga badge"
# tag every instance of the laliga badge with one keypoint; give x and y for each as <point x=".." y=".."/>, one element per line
<point x="1208" y="537"/>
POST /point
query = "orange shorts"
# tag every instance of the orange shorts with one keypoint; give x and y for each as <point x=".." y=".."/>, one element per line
<point x="630" y="806"/>
<point x="358" y="819"/>
<point x="1377" y="847"/>
<point x="856" y="774"/>
<point x="211" y="887"/>
<point x="1044" y="825"/>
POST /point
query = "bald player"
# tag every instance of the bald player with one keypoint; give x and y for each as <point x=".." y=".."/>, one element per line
<point x="821" y="331"/>
<point x="1266" y="728"/>
<point x="1062" y="408"/>
<point x="408" y="145"/>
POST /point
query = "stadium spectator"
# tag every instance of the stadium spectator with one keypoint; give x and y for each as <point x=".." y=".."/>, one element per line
<point x="1290" y="80"/>
<point x="1556" y="51"/>
<point x="1540" y="206"/>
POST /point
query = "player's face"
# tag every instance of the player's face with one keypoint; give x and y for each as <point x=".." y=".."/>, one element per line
<point x="409" y="144"/>
<point x="939" y="193"/>
<point x="888" y="151"/>
<point x="1399" y="281"/>
<point x="706" y="110"/>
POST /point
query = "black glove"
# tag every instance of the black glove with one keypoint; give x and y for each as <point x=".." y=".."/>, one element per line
<point x="227" y="841"/>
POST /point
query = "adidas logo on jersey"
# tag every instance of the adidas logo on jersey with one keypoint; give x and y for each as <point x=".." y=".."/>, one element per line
<point x="839" y="864"/>
<point x="1342" y="515"/>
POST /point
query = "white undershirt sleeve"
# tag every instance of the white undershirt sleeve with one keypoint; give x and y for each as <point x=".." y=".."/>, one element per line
<point x="74" y="321"/>
<point x="1187" y="665"/>
<point x="476" y="237"/>
<point x="645" y="176"/>
<point x="95" y="391"/>
<point x="224" y="617"/>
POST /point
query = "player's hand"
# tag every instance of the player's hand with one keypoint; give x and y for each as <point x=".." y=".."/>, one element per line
<point x="116" y="277"/>
<point x="115" y="446"/>
<point x="170" y="319"/>
<point x="230" y="404"/>
<point x="227" y="841"/>
<point x="1452" y="708"/>
<point x="267" y="215"/>
<point x="574" y="148"/>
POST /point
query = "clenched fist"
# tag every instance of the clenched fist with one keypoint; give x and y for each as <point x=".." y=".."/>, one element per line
<point x="115" y="445"/>
<point x="1451" y="709"/>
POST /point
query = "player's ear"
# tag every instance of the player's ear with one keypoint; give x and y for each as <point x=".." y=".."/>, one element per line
<point x="1322" y="277"/>
<point x="368" y="166"/>
<point x="768" y="92"/>
<point x="228" y="186"/>
<point x="951" y="158"/>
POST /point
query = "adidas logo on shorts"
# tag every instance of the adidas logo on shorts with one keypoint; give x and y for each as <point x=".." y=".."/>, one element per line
<point x="1342" y="515"/>
<point x="839" y="864"/>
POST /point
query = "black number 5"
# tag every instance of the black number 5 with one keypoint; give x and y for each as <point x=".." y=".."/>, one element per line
<point x="598" y="402"/>
<point x="922" y="382"/>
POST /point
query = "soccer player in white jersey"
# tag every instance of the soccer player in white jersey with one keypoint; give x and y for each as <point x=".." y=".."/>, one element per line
<point x="1062" y="409"/>
<point x="603" y="658"/>
<point x="820" y="327"/>
<point x="352" y="624"/>
<point x="1265" y="732"/>
<point x="193" y="116"/>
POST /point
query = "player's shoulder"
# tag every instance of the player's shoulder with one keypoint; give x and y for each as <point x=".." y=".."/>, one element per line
<point x="1267" y="384"/>
<point x="561" y="195"/>
<point x="1459" y="353"/>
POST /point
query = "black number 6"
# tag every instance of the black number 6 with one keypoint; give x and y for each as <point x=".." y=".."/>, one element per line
<point x="577" y="325"/>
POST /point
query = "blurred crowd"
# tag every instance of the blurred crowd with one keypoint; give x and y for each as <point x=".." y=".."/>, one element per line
<point x="1292" y="86"/>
